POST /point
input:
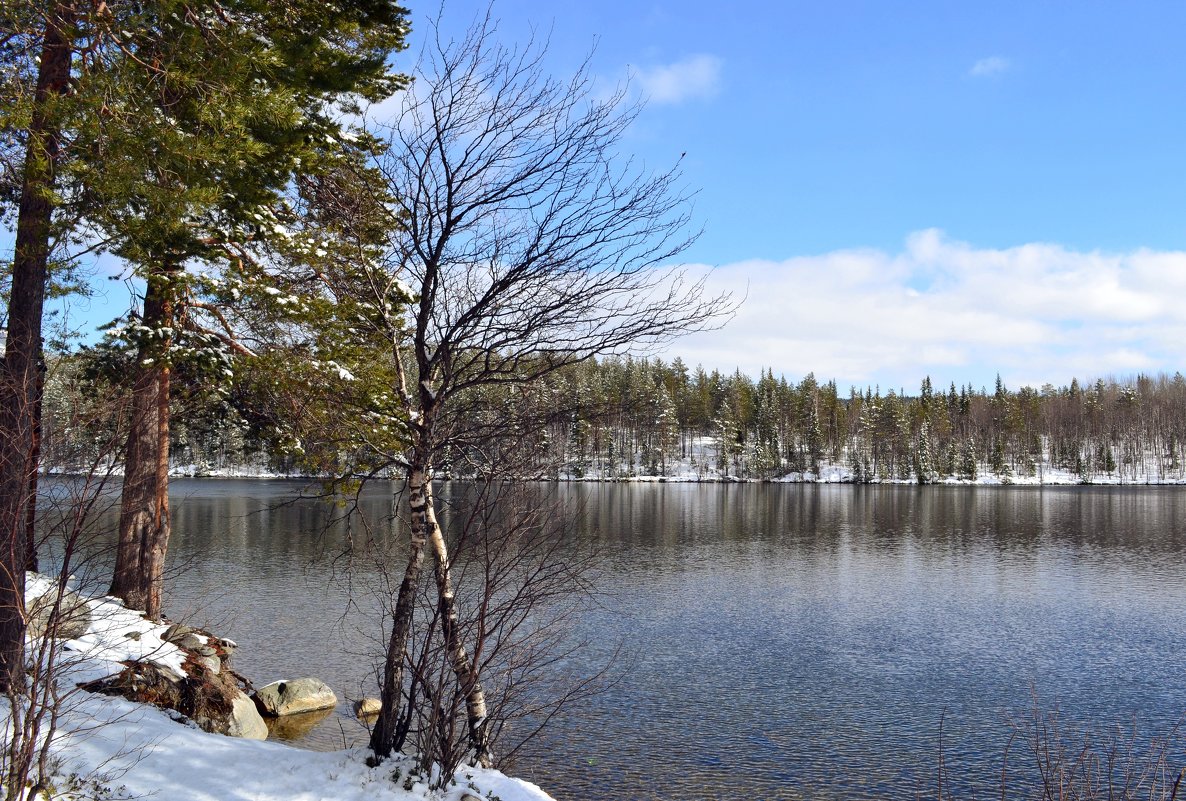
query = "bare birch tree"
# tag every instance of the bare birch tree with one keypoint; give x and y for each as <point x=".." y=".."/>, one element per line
<point x="529" y="243"/>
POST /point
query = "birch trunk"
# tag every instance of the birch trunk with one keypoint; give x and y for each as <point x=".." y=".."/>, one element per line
<point x="459" y="658"/>
<point x="424" y="529"/>
<point x="384" y="739"/>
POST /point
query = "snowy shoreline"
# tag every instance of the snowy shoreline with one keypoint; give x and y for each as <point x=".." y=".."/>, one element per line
<point x="111" y="748"/>
<point x="1050" y="479"/>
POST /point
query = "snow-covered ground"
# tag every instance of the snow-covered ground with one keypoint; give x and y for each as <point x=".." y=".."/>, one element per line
<point x="110" y="748"/>
<point x="701" y="464"/>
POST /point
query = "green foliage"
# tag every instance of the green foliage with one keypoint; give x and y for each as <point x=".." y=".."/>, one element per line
<point x="210" y="110"/>
<point x="321" y="387"/>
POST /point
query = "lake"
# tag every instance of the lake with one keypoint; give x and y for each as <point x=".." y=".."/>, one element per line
<point x="779" y="641"/>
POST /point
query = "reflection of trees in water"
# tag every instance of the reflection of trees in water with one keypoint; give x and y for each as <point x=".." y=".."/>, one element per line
<point x="837" y="622"/>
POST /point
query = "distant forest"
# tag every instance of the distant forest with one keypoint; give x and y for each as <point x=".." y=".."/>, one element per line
<point x="623" y="418"/>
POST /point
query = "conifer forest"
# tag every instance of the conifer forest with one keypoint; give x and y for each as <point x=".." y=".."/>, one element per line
<point x="621" y="418"/>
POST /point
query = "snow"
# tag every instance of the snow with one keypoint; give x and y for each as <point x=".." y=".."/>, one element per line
<point x="124" y="750"/>
<point x="700" y="465"/>
<point x="147" y="754"/>
<point x="116" y="635"/>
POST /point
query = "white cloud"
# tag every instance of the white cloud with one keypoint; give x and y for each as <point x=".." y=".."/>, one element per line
<point x="993" y="65"/>
<point x="697" y="76"/>
<point x="1034" y="313"/>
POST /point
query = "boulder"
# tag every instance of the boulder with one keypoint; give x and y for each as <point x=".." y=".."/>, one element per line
<point x="190" y="641"/>
<point x="292" y="696"/>
<point x="175" y="632"/>
<point x="366" y="708"/>
<point x="72" y="620"/>
<point x="245" y="720"/>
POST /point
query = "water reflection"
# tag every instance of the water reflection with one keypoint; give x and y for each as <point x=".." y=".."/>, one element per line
<point x="786" y="641"/>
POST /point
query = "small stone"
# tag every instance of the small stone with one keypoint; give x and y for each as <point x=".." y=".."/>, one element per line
<point x="190" y="641"/>
<point x="132" y="635"/>
<point x="367" y="708"/>
<point x="211" y="663"/>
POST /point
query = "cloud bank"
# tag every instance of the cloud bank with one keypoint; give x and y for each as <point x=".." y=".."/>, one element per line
<point x="1035" y="313"/>
<point x="695" y="77"/>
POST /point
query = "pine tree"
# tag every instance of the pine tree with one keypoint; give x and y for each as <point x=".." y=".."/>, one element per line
<point x="967" y="461"/>
<point x="923" y="462"/>
<point x="1105" y="458"/>
<point x="228" y="103"/>
<point x="997" y="462"/>
<point x="855" y="467"/>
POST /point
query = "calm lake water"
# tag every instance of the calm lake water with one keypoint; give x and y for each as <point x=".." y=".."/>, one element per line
<point x="782" y="641"/>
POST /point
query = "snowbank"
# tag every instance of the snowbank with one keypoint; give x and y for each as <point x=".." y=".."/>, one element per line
<point x="110" y="748"/>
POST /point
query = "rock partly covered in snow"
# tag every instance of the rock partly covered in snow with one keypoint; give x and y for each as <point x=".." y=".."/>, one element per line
<point x="43" y="595"/>
<point x="293" y="696"/>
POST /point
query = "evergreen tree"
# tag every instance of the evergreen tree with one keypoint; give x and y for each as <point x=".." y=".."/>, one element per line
<point x="229" y="103"/>
<point x="37" y="55"/>
<point x="997" y="461"/>
<point x="924" y="468"/>
<point x="967" y="461"/>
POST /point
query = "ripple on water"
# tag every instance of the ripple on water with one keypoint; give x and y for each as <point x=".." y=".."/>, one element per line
<point x="784" y="641"/>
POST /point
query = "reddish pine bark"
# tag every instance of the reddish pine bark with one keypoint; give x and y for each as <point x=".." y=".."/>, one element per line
<point x="144" y="521"/>
<point x="20" y="383"/>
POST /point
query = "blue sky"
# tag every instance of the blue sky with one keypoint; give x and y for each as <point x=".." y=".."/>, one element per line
<point x="895" y="186"/>
<point x="832" y="125"/>
<point x="947" y="188"/>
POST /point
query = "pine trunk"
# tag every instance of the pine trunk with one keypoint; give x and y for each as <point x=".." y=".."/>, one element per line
<point x="20" y="382"/>
<point x="144" y="523"/>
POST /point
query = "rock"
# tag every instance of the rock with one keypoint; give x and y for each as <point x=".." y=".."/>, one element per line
<point x="211" y="663"/>
<point x="245" y="720"/>
<point x="365" y="708"/>
<point x="191" y="641"/>
<point x="297" y="695"/>
<point x="73" y="616"/>
<point x="175" y="632"/>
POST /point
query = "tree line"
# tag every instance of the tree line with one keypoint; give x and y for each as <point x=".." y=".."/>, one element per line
<point x="613" y="418"/>
<point x="656" y="418"/>
<point x="353" y="298"/>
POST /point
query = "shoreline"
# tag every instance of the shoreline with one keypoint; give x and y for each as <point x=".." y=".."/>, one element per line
<point x="1057" y="480"/>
